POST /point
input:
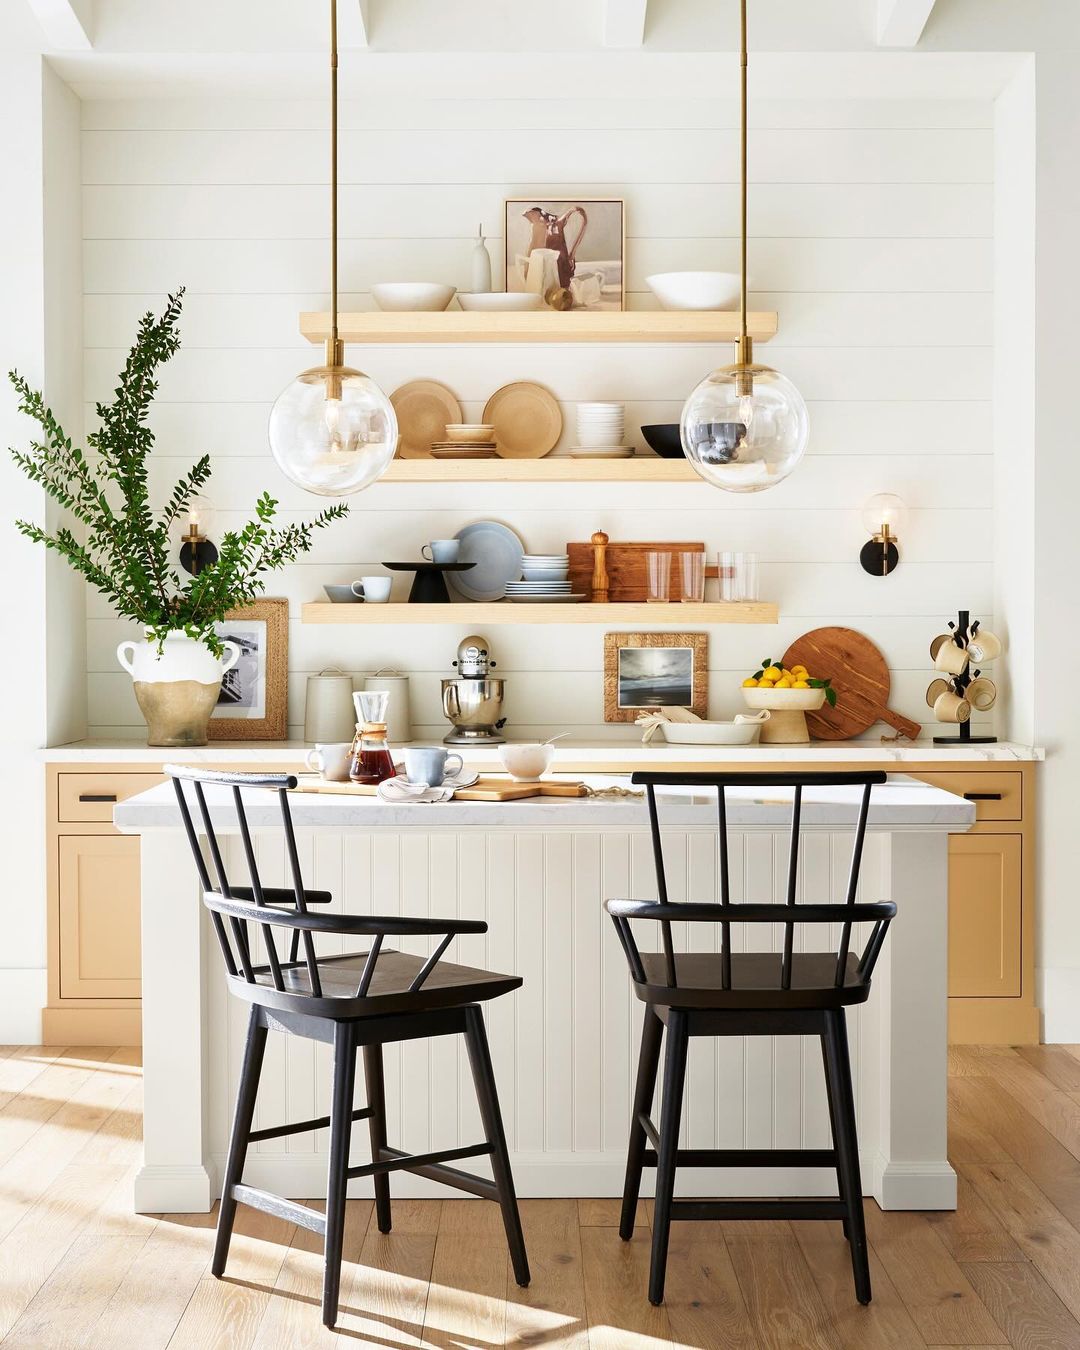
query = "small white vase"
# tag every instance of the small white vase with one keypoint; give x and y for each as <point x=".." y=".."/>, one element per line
<point x="481" y="265"/>
<point x="178" y="688"/>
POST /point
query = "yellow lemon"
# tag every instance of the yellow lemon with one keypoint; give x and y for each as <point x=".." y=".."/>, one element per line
<point x="772" y="673"/>
<point x="801" y="672"/>
<point x="801" y="684"/>
<point x="750" y="683"/>
<point x="785" y="683"/>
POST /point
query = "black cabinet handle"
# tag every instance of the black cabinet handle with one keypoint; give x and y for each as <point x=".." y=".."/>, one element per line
<point x="982" y="796"/>
<point x="97" y="796"/>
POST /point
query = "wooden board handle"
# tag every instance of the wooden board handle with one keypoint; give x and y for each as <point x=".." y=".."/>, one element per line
<point x="898" y="722"/>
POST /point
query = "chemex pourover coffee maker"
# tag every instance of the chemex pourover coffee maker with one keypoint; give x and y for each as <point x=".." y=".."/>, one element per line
<point x="473" y="701"/>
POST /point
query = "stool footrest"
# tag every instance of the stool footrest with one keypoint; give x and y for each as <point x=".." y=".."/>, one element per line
<point x="408" y="1162"/>
<point x="280" y="1208"/>
<point x="750" y="1157"/>
<point x="449" y="1176"/>
<point x="758" y="1209"/>
<point x="302" y="1126"/>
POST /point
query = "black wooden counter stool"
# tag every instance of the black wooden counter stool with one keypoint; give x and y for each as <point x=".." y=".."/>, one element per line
<point x="364" y="999"/>
<point x="735" y="993"/>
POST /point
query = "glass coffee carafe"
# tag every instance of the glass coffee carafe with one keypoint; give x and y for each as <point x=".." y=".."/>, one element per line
<point x="371" y="761"/>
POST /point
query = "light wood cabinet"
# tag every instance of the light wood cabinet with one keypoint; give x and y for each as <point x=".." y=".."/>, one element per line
<point x="985" y="916"/>
<point x="98" y="893"/>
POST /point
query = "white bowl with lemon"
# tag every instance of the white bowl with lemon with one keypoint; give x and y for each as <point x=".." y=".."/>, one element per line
<point x="788" y="695"/>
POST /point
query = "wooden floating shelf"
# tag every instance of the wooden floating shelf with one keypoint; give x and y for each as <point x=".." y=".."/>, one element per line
<point x="552" y="469"/>
<point x="543" y="325"/>
<point x="498" y="612"/>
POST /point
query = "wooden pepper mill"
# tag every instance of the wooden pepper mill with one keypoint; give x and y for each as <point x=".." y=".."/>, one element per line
<point x="599" y="543"/>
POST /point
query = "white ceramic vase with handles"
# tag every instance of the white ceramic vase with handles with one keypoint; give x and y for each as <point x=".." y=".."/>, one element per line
<point x="177" y="688"/>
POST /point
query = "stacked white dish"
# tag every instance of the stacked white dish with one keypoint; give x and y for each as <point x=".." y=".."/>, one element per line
<point x="545" y="579"/>
<point x="601" y="432"/>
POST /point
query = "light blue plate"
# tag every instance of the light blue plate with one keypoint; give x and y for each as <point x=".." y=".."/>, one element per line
<point x="497" y="552"/>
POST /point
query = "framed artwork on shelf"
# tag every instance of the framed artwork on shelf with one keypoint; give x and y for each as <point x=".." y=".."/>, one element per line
<point x="655" y="670"/>
<point x="558" y="247"/>
<point x="253" y="703"/>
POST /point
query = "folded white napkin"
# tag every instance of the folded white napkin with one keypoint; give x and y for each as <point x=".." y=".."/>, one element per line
<point x="399" y="789"/>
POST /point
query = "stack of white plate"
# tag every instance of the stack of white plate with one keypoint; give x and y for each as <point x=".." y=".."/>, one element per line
<point x="546" y="577"/>
<point x="601" y="432"/>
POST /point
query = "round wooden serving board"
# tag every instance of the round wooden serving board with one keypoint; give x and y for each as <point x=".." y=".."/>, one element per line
<point x="860" y="677"/>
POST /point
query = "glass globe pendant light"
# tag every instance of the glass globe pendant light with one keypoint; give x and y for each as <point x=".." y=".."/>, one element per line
<point x="745" y="427"/>
<point x="333" y="431"/>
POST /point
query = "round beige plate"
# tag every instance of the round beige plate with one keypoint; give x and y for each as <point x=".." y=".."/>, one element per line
<point x="423" y="409"/>
<point x="527" y="420"/>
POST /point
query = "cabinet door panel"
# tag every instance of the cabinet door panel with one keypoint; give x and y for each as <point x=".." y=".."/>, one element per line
<point x="984" y="915"/>
<point x="99" y="916"/>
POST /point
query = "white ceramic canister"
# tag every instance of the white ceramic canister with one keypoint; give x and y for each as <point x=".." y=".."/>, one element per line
<point x="399" y="719"/>
<point x="328" y="707"/>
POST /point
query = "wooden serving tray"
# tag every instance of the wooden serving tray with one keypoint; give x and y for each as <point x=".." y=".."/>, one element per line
<point x="485" y="789"/>
<point x="628" y="579"/>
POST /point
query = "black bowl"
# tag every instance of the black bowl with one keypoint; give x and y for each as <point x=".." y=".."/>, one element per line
<point x="664" y="438"/>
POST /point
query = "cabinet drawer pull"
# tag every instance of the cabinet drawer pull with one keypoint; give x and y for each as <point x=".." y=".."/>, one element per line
<point x="97" y="796"/>
<point x="982" y="796"/>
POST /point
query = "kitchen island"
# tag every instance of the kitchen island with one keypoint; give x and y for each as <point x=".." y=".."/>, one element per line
<point x="565" y="1045"/>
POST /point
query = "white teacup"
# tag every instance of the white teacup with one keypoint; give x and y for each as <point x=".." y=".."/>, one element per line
<point x="376" y="589"/>
<point x="331" y="761"/>
<point x="442" y="550"/>
<point x="984" y="646"/>
<point x="525" y="761"/>
<point x="430" y="764"/>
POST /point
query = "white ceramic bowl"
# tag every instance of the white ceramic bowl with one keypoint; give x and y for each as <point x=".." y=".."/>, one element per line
<point x="501" y="300"/>
<point x="412" y="296"/>
<point x="785" y="700"/>
<point x="695" y="290"/>
<point x="712" y="733"/>
<point x="526" y="761"/>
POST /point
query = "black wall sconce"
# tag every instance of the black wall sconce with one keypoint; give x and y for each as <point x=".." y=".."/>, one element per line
<point x="884" y="516"/>
<point x="196" y="550"/>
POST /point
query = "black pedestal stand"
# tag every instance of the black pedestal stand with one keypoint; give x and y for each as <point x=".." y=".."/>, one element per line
<point x="959" y="684"/>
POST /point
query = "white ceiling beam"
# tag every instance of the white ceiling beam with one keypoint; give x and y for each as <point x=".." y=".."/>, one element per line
<point x="354" y="23"/>
<point x="900" y="23"/>
<point x="68" y="25"/>
<point x="624" y="22"/>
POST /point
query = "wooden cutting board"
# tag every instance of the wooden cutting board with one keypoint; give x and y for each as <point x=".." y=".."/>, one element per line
<point x="483" y="790"/>
<point x="860" y="676"/>
<point x="628" y="579"/>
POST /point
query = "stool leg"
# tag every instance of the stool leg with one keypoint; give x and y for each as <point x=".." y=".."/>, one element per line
<point x="488" y="1099"/>
<point x="674" y="1080"/>
<point x="246" y="1093"/>
<point x="847" y="1146"/>
<point x="833" y="1127"/>
<point x="376" y="1097"/>
<point x="341" y="1108"/>
<point x="644" y="1089"/>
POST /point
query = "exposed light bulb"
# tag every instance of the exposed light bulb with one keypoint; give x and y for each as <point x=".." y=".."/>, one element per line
<point x="332" y="418"/>
<point x="746" y="410"/>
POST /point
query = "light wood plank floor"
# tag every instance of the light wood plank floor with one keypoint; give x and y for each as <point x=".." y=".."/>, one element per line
<point x="79" y="1269"/>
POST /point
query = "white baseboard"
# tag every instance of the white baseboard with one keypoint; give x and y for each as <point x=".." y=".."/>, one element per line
<point x="23" y="994"/>
<point x="914" y="1185"/>
<point x="1058" y="995"/>
<point x="175" y="1190"/>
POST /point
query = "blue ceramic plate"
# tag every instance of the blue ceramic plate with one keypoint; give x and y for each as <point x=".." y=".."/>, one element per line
<point x="497" y="553"/>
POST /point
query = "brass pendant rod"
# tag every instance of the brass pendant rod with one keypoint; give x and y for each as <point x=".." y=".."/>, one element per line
<point x="742" y="147"/>
<point x="333" y="174"/>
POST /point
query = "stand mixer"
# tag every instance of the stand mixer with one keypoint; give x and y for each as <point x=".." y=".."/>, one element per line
<point x="473" y="701"/>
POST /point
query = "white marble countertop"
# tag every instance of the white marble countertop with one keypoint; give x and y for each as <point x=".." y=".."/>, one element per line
<point x="580" y="754"/>
<point x="900" y="805"/>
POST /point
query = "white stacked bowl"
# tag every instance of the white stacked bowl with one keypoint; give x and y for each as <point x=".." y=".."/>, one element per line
<point x="545" y="567"/>
<point x="601" y="424"/>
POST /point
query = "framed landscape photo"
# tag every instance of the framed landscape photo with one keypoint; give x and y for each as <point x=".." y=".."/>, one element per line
<point x="654" y="670"/>
<point x="253" y="703"/>
<point x="576" y="245"/>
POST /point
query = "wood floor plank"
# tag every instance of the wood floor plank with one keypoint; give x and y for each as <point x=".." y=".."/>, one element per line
<point x="885" y="1324"/>
<point x="551" y="1311"/>
<point x="474" y="1218"/>
<point x="616" y="1277"/>
<point x="604" y="1213"/>
<point x="466" y="1302"/>
<point x="27" y="1111"/>
<point x="941" y="1300"/>
<point x="149" y="1302"/>
<point x="783" y="1301"/>
<point x="969" y="1138"/>
<point x="1042" y="1232"/>
<point x="65" y="1310"/>
<point x="230" y="1309"/>
<point x="973" y="1232"/>
<point x="385" y="1300"/>
<point x="292" y="1319"/>
<point x="1055" y="1063"/>
<point x="704" y="1302"/>
<point x="1024" y="1304"/>
<point x="21" y="1065"/>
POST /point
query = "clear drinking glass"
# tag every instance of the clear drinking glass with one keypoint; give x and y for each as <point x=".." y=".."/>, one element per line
<point x="725" y="566"/>
<point x="746" y="576"/>
<point x="692" y="569"/>
<point x="658" y="568"/>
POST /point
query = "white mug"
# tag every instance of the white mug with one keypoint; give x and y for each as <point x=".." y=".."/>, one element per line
<point x="376" y="590"/>
<point x="984" y="646"/>
<point x="951" y="659"/>
<point x="430" y="764"/>
<point x="442" y="550"/>
<point x="331" y="761"/>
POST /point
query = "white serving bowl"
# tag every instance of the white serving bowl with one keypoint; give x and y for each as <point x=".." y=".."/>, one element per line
<point x="501" y="300"/>
<point x="526" y="761"/>
<point x="712" y="733"/>
<point x="412" y="296"/>
<point x="784" y="700"/>
<point x="695" y="290"/>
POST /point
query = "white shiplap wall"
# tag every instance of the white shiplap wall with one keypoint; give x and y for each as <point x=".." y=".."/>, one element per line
<point x="872" y="237"/>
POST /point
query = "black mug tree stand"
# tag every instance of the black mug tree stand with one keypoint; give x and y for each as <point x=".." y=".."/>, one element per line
<point x="962" y="633"/>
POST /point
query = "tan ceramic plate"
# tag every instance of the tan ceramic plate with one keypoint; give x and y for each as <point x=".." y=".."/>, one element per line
<point x="423" y="409"/>
<point x="527" y="420"/>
